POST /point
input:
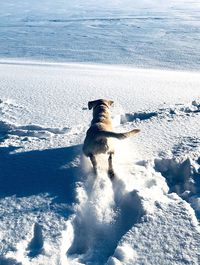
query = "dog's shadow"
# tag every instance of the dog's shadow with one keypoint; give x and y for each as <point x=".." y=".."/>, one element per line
<point x="31" y="173"/>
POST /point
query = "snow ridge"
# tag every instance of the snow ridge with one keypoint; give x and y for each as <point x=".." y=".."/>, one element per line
<point x="179" y="110"/>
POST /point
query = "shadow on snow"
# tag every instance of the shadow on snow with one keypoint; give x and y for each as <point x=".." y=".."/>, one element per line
<point x="35" y="172"/>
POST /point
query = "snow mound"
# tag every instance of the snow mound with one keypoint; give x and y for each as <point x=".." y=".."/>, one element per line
<point x="183" y="177"/>
<point x="177" y="243"/>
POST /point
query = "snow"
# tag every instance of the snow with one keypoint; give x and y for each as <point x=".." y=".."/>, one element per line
<point x="53" y="210"/>
<point x="166" y="244"/>
<point x="55" y="56"/>
<point x="147" y="34"/>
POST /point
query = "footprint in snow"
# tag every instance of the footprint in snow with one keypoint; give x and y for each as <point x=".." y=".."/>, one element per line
<point x="35" y="246"/>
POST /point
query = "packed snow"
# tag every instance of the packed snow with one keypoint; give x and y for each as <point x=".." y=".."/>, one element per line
<point x="55" y="56"/>
<point x="53" y="209"/>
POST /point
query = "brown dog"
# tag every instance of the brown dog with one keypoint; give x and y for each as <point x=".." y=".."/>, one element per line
<point x="99" y="136"/>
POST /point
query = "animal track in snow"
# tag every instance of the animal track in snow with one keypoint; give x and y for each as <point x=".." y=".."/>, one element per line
<point x="35" y="246"/>
<point x="8" y="261"/>
<point x="179" y="110"/>
<point x="128" y="117"/>
<point x="182" y="176"/>
<point x="35" y="137"/>
<point x="10" y="111"/>
<point x="106" y="212"/>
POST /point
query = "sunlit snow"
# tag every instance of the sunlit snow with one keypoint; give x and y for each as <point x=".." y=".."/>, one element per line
<point x="55" y="56"/>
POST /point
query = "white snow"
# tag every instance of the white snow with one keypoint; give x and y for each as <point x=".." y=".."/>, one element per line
<point x="54" y="211"/>
<point x="147" y="34"/>
<point x="55" y="56"/>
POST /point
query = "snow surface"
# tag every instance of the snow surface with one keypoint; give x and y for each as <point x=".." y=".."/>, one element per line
<point x="54" y="211"/>
<point x="144" y="33"/>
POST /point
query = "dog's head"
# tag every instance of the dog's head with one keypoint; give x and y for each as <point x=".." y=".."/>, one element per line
<point x="100" y="102"/>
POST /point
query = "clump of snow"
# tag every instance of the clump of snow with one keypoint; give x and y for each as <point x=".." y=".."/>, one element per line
<point x="124" y="254"/>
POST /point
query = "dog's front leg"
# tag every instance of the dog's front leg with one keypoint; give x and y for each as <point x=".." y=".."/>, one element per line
<point x="110" y="167"/>
<point x="94" y="163"/>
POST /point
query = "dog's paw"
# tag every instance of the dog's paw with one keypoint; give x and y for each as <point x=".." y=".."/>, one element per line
<point x="111" y="174"/>
<point x="95" y="172"/>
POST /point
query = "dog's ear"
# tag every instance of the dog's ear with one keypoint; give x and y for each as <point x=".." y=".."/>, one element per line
<point x="111" y="102"/>
<point x="91" y="104"/>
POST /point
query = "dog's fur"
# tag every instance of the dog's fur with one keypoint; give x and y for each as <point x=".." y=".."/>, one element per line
<point x="99" y="137"/>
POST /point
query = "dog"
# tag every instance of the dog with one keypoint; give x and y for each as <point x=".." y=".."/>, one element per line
<point x="99" y="137"/>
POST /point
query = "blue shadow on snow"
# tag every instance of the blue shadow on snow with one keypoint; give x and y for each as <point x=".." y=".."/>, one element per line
<point x="35" y="172"/>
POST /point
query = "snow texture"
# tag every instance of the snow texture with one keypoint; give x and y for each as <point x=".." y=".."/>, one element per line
<point x="52" y="208"/>
<point x="158" y="34"/>
<point x="55" y="56"/>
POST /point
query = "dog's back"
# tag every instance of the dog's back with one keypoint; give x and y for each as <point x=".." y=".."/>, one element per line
<point x="100" y="135"/>
<point x="95" y="143"/>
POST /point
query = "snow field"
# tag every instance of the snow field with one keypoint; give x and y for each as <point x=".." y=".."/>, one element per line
<point x="53" y="210"/>
<point x="158" y="34"/>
